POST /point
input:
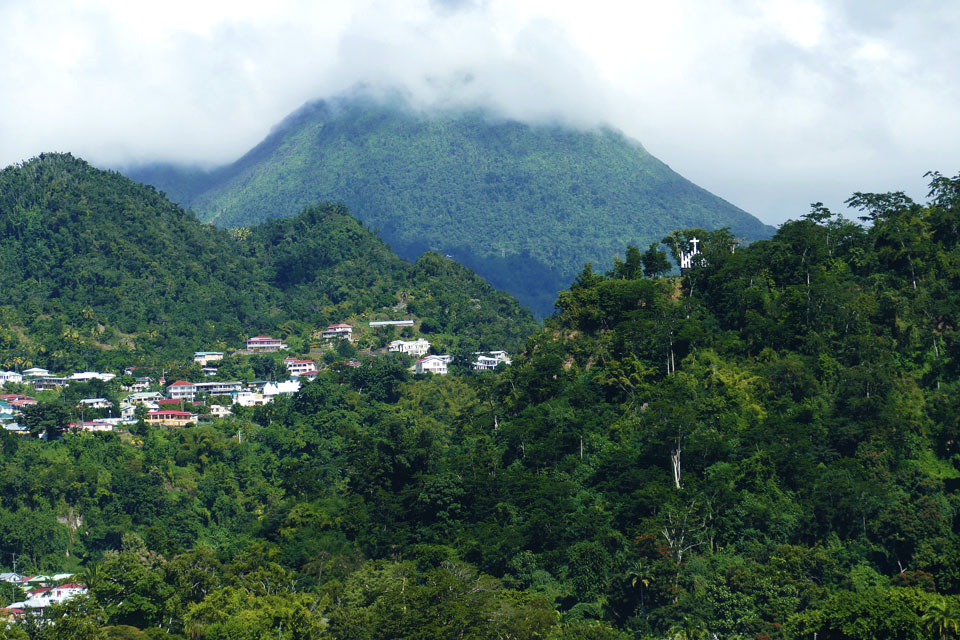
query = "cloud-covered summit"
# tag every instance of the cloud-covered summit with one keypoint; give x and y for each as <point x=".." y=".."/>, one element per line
<point x="769" y="104"/>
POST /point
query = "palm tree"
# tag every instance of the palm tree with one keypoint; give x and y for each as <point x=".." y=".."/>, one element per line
<point x="941" y="617"/>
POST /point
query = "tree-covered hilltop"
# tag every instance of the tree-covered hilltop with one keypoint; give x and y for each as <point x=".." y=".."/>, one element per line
<point x="526" y="206"/>
<point x="765" y="447"/>
<point x="97" y="270"/>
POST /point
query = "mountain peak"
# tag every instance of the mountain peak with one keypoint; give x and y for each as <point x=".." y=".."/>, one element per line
<point x="526" y="205"/>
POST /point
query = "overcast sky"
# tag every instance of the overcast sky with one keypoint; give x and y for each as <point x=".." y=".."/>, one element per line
<point x="770" y="104"/>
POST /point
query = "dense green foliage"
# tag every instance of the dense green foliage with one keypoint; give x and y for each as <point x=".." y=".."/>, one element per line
<point x="96" y="270"/>
<point x="526" y="206"/>
<point x="766" y="447"/>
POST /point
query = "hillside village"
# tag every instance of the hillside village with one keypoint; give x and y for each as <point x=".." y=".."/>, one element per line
<point x="147" y="393"/>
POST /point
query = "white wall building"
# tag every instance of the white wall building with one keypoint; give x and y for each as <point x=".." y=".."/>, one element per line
<point x="433" y="364"/>
<point x="418" y="347"/>
<point x="43" y="598"/>
<point x="337" y="331"/>
<point x="203" y="358"/>
<point x="488" y="361"/>
<point x="10" y="376"/>
<point x="265" y="344"/>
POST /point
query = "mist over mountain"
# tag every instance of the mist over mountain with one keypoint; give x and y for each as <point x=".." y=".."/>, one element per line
<point x="524" y="205"/>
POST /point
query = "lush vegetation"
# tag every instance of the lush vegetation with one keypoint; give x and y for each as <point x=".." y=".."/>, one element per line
<point x="526" y="206"/>
<point x="98" y="271"/>
<point x="766" y="447"/>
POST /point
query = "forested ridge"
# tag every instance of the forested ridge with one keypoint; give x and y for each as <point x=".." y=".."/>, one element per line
<point x="524" y="205"/>
<point x="99" y="271"/>
<point x="765" y="447"/>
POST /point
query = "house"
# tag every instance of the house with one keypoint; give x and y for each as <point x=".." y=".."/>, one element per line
<point x="337" y="332"/>
<point x="25" y="402"/>
<point x="433" y="364"/>
<point x="6" y="409"/>
<point x="249" y="398"/>
<point x="220" y="411"/>
<point x="170" y="418"/>
<point x="265" y="344"/>
<point x="141" y="384"/>
<point x="49" y="383"/>
<point x="209" y="371"/>
<point x="10" y="376"/>
<point x="143" y="397"/>
<point x="46" y="596"/>
<point x="36" y="372"/>
<point x="13" y="578"/>
<point x="297" y="367"/>
<point x="281" y="388"/>
<point x="94" y="403"/>
<point x="203" y="358"/>
<point x="87" y="376"/>
<point x="182" y="390"/>
<point x="392" y="323"/>
<point x="10" y="397"/>
<point x="91" y="425"/>
<point x="13" y="427"/>
<point x="309" y="376"/>
<point x="418" y="347"/>
<point x="488" y="361"/>
<point x="128" y="412"/>
<point x="218" y="388"/>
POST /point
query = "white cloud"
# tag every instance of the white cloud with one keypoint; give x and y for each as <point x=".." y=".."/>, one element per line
<point x="771" y="104"/>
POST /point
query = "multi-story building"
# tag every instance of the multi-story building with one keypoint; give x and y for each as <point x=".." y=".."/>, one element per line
<point x="265" y="344"/>
<point x="170" y="418"/>
<point x="337" y="331"/>
<point x="433" y="364"/>
<point x="418" y="347"/>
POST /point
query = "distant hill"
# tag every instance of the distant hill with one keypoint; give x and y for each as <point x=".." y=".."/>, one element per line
<point x="97" y="270"/>
<point x="526" y="206"/>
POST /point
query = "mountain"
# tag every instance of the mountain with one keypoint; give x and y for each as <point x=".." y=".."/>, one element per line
<point x="526" y="206"/>
<point x="764" y="447"/>
<point x="97" y="270"/>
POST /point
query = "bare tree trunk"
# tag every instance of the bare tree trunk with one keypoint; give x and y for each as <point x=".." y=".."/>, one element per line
<point x="675" y="460"/>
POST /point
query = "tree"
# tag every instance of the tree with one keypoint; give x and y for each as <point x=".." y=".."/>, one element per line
<point x="655" y="262"/>
<point x="48" y="418"/>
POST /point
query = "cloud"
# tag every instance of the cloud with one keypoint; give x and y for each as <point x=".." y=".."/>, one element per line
<point x="769" y="104"/>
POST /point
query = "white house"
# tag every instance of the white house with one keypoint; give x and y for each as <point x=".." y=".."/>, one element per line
<point x="392" y="323"/>
<point x="43" y="598"/>
<point x="418" y="347"/>
<point x="128" y="412"/>
<point x="10" y="376"/>
<point x="488" y="361"/>
<point x="92" y="425"/>
<point x="298" y="367"/>
<point x="87" y="376"/>
<point x="36" y="372"/>
<point x="203" y="358"/>
<point x="220" y="411"/>
<point x="143" y="397"/>
<point x="287" y="388"/>
<point x="141" y="384"/>
<point x="265" y="344"/>
<point x="217" y="388"/>
<point x="337" y="331"/>
<point x="433" y="364"/>
<point x="182" y="390"/>
<point x="249" y="398"/>
<point x="94" y="403"/>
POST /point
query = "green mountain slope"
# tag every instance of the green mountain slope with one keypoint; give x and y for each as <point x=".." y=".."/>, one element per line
<point x="526" y="206"/>
<point x="97" y="270"/>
